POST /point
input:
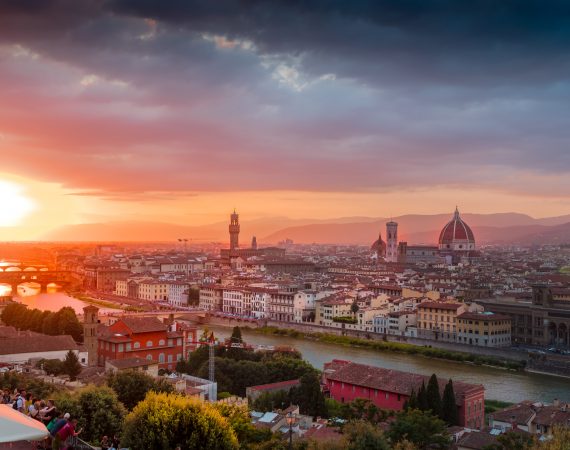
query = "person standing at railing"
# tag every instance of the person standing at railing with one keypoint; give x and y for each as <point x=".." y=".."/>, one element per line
<point x="61" y="436"/>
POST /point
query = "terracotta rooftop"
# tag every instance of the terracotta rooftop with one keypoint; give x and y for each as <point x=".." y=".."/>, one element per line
<point x="323" y="434"/>
<point x="553" y="415"/>
<point x="489" y="317"/>
<point x="440" y="305"/>
<point x="278" y="385"/>
<point x="131" y="363"/>
<point x="521" y="413"/>
<point x="389" y="380"/>
<point x="33" y="344"/>
<point x="477" y="440"/>
<point x="143" y="324"/>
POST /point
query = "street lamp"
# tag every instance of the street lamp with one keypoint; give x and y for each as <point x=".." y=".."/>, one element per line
<point x="291" y="421"/>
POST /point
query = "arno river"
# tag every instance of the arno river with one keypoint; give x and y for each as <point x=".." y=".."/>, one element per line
<point x="499" y="384"/>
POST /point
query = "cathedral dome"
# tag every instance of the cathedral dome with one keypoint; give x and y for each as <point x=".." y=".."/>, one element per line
<point x="379" y="246"/>
<point x="456" y="235"/>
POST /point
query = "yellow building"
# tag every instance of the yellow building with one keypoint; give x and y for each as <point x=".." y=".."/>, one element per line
<point x="331" y="307"/>
<point x="438" y="320"/>
<point x="485" y="329"/>
<point x="153" y="290"/>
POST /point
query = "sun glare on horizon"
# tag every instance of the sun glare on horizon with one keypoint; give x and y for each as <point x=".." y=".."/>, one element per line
<point x="15" y="205"/>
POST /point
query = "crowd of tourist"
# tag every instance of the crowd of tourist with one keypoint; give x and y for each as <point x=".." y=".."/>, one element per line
<point x="61" y="426"/>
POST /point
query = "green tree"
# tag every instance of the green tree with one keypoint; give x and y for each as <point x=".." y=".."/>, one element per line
<point x="362" y="435"/>
<point x="240" y="422"/>
<point x="67" y="323"/>
<point x="132" y="386"/>
<point x="421" y="428"/>
<point x="559" y="441"/>
<point x="193" y="296"/>
<point x="354" y="307"/>
<point x="236" y="336"/>
<point x="433" y="395"/>
<point x="97" y="409"/>
<point x="412" y="402"/>
<point x="512" y="440"/>
<point x="423" y="403"/>
<point x="36" y="386"/>
<point x="194" y="362"/>
<point x="449" y="411"/>
<point x="71" y="365"/>
<point x="164" y="421"/>
<point x="52" y="366"/>
<point x="309" y="396"/>
<point x="268" y="401"/>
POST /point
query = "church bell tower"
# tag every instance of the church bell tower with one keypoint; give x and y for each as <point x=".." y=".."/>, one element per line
<point x="90" y="321"/>
<point x="391" y="242"/>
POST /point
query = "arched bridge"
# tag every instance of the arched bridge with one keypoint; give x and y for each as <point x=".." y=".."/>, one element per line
<point x="42" y="277"/>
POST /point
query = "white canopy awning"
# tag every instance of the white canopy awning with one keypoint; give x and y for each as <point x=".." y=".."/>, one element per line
<point x="15" y="426"/>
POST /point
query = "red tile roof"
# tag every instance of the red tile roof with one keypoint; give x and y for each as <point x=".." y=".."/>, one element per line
<point x="440" y="305"/>
<point x="278" y="385"/>
<point x="143" y="324"/>
<point x="390" y="380"/>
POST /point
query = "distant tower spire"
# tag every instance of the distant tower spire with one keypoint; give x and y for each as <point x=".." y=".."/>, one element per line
<point x="234" y="230"/>
<point x="456" y="214"/>
<point x="391" y="241"/>
<point x="254" y="243"/>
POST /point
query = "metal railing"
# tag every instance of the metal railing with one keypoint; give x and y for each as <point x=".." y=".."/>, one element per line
<point x="78" y="444"/>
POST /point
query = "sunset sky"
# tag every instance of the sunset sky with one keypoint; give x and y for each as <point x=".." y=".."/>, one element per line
<point x="179" y="111"/>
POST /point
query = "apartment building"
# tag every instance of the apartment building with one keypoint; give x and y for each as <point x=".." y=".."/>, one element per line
<point x="485" y="329"/>
<point x="438" y="320"/>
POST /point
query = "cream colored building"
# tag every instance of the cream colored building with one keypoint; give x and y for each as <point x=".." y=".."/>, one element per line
<point x="484" y="329"/>
<point x="438" y="320"/>
<point x="211" y="297"/>
<point x="154" y="290"/>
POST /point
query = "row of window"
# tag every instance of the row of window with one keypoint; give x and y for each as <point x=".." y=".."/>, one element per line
<point x="365" y="390"/>
<point x="486" y="333"/>
<point x="136" y="345"/>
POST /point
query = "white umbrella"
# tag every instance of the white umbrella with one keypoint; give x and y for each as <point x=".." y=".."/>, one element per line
<point x="15" y="426"/>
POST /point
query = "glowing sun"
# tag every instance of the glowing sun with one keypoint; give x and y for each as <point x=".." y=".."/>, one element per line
<point x="14" y="205"/>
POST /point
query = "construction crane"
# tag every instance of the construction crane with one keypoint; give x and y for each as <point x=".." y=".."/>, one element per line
<point x="211" y="356"/>
<point x="210" y="341"/>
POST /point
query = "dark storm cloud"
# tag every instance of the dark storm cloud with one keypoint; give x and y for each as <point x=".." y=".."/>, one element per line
<point x="287" y="94"/>
<point x="384" y="40"/>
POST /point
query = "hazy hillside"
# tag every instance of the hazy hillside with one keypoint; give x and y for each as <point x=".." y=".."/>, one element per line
<point x="414" y="228"/>
<point x="160" y="231"/>
<point x="366" y="233"/>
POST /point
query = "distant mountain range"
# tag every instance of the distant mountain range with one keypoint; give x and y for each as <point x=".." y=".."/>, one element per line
<point x="488" y="228"/>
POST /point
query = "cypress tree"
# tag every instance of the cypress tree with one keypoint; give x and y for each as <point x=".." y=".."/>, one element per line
<point x="412" y="402"/>
<point x="433" y="396"/>
<point x="236" y="336"/>
<point x="449" y="406"/>
<point x="422" y="398"/>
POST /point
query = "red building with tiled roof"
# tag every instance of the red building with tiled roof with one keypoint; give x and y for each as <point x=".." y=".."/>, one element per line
<point x="145" y="337"/>
<point x="389" y="389"/>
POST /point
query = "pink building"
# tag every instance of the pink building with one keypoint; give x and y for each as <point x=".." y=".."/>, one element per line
<point x="389" y="389"/>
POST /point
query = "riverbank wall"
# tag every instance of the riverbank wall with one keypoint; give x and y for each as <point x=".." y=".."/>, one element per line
<point x="505" y="353"/>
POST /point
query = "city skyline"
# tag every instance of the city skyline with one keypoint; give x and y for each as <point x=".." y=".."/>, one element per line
<point x="179" y="112"/>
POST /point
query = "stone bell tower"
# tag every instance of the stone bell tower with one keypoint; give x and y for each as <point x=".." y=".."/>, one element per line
<point x="90" y="322"/>
<point x="391" y="241"/>
<point x="234" y="231"/>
